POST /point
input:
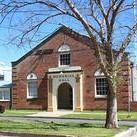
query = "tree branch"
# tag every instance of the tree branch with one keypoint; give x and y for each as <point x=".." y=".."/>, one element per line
<point x="115" y="12"/>
<point x="126" y="43"/>
<point x="93" y="39"/>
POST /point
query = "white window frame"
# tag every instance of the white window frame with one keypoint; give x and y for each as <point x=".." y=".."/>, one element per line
<point x="64" y="53"/>
<point x="99" y="74"/>
<point x="96" y="95"/>
<point x="63" y="50"/>
<point x="3" y="95"/>
<point x="32" y="77"/>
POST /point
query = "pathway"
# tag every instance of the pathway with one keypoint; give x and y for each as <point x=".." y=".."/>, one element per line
<point x="65" y="120"/>
<point x="52" y="114"/>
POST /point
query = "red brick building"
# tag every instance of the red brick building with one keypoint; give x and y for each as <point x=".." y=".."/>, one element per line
<point x="62" y="73"/>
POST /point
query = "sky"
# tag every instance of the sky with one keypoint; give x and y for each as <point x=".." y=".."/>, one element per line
<point x="10" y="52"/>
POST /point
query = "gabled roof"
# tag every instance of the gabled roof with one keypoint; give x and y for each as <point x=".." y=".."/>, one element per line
<point x="73" y="34"/>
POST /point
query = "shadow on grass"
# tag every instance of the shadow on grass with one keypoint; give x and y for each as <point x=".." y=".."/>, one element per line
<point x="31" y="125"/>
<point x="73" y="125"/>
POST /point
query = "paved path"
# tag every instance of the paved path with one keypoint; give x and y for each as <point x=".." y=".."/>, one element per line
<point x="52" y="114"/>
<point x="66" y="120"/>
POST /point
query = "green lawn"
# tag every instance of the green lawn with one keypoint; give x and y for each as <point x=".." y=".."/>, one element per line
<point x="18" y="112"/>
<point x="122" y="115"/>
<point x="81" y="130"/>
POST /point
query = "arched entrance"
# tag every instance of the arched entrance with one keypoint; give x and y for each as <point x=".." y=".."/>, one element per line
<point x="65" y="96"/>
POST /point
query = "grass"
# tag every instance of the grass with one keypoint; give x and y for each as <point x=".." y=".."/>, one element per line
<point x="127" y="116"/>
<point x="122" y="115"/>
<point x="81" y="130"/>
<point x="19" y="112"/>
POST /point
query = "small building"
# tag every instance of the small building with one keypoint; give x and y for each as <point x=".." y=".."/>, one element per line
<point x="134" y="83"/>
<point x="5" y="86"/>
<point x="62" y="72"/>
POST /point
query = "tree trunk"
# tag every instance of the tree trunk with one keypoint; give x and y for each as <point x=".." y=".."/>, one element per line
<point x="111" y="115"/>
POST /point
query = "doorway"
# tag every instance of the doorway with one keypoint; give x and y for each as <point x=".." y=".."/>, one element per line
<point x="65" y="96"/>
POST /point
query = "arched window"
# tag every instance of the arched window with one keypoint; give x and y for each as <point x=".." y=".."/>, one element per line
<point x="32" y="85"/>
<point x="64" y="55"/>
<point x="101" y="84"/>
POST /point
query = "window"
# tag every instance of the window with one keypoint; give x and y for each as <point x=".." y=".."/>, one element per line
<point x="32" y="86"/>
<point x="101" y="87"/>
<point x="65" y="59"/>
<point x="64" y="55"/>
<point x="5" y="95"/>
<point x="1" y="77"/>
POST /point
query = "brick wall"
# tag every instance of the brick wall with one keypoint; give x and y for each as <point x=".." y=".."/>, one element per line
<point x="133" y="106"/>
<point x="6" y="104"/>
<point x="81" y="55"/>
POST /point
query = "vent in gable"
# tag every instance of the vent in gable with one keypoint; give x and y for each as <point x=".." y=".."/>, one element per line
<point x="47" y="51"/>
<point x="44" y="51"/>
<point x="38" y="52"/>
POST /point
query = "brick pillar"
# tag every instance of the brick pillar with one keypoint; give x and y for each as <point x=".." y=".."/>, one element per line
<point x="50" y="105"/>
<point x="78" y="99"/>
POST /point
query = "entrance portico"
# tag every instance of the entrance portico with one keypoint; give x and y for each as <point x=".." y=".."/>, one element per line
<point x="65" y="86"/>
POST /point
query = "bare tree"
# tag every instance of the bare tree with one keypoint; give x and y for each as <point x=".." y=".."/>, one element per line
<point x="101" y="20"/>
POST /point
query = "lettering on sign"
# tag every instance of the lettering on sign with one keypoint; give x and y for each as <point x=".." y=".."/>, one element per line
<point x="64" y="80"/>
<point x="63" y="76"/>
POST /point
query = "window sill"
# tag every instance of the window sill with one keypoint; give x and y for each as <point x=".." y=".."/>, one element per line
<point x="4" y="100"/>
<point x="101" y="96"/>
<point x="32" y="97"/>
<point x="64" y="66"/>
